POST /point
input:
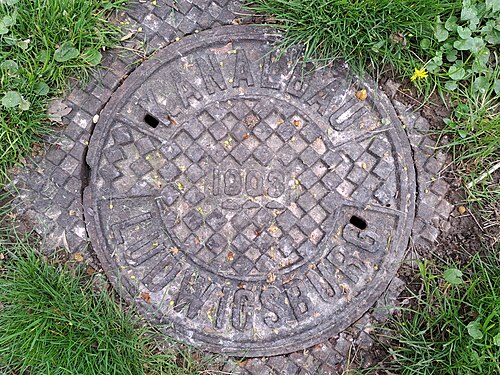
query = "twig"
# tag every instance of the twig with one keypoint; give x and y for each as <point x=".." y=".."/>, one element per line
<point x="484" y="175"/>
<point x="415" y="100"/>
<point x="477" y="222"/>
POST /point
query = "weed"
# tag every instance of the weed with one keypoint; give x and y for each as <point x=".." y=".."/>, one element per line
<point x="466" y="66"/>
<point x="474" y="129"/>
<point x="448" y="45"/>
<point x="465" y="43"/>
<point x="454" y="326"/>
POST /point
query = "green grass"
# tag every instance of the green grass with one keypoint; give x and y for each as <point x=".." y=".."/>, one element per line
<point x="454" y="325"/>
<point x="474" y="130"/>
<point x="45" y="43"/>
<point x="55" y="320"/>
<point x="369" y="35"/>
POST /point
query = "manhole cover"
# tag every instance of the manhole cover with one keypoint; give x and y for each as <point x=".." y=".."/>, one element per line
<point x="253" y="208"/>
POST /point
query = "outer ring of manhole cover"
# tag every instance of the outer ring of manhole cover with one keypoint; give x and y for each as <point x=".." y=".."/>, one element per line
<point x="254" y="209"/>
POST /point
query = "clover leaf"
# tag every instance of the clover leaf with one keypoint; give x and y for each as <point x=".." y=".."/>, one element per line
<point x="480" y="85"/>
<point x="493" y="5"/>
<point x="480" y="62"/>
<point x="451" y="85"/>
<point x="4" y="29"/>
<point x="11" y="99"/>
<point x="496" y="339"/>
<point x="41" y="88"/>
<point x="453" y="276"/>
<point x="469" y="11"/>
<point x="66" y="52"/>
<point x="474" y="330"/>
<point x="24" y="105"/>
<point x="470" y="44"/>
<point x="451" y="24"/>
<point x="10" y="65"/>
<point x="464" y="32"/>
<point x="440" y="32"/>
<point x="92" y="57"/>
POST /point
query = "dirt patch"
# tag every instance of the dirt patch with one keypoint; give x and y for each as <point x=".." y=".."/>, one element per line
<point x="465" y="239"/>
<point x="432" y="108"/>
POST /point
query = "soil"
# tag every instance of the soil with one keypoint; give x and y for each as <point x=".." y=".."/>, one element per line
<point x="467" y="235"/>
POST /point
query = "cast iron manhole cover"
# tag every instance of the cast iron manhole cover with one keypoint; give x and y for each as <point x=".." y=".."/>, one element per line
<point x="254" y="208"/>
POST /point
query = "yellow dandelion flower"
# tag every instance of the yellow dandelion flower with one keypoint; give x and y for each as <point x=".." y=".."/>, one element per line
<point x="419" y="73"/>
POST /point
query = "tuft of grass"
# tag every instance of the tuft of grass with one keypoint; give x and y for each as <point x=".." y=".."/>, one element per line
<point x="56" y="320"/>
<point x="367" y="34"/>
<point x="474" y="130"/>
<point x="454" y="326"/>
<point x="44" y="43"/>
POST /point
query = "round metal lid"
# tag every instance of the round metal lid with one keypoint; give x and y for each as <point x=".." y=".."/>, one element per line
<point x="253" y="207"/>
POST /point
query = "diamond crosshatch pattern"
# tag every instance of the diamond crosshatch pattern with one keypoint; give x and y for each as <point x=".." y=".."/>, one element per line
<point x="260" y="232"/>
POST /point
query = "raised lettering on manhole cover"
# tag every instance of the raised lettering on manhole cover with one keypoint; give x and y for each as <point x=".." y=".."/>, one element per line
<point x="252" y="207"/>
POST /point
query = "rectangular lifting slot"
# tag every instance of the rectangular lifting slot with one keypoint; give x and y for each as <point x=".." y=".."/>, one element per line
<point x="151" y="120"/>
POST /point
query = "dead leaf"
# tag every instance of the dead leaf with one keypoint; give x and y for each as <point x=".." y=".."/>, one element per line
<point x="246" y="135"/>
<point x="397" y="38"/>
<point x="220" y="294"/>
<point x="78" y="257"/>
<point x="362" y="94"/>
<point x="90" y="271"/>
<point x="297" y="123"/>
<point x="273" y="229"/>
<point x="171" y="119"/>
<point x="127" y="36"/>
<point x="319" y="146"/>
<point x="288" y="279"/>
<point x="57" y="109"/>
<point x="146" y="296"/>
<point x="230" y="256"/>
<point x="243" y="363"/>
<point x="222" y="50"/>
<point x="271" y="278"/>
<point x="65" y="241"/>
<point x="174" y="250"/>
<point x="461" y="210"/>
